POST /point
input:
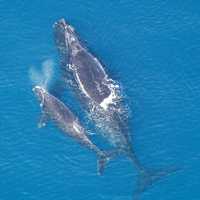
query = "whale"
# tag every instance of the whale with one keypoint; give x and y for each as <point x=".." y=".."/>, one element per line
<point x="55" y="110"/>
<point x="100" y="93"/>
<point x="102" y="97"/>
<point x="87" y="71"/>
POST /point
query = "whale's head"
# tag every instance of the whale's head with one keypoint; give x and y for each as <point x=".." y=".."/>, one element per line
<point x="66" y="37"/>
<point x="40" y="94"/>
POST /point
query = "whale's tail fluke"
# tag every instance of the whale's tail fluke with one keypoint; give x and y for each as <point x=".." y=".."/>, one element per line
<point x="147" y="178"/>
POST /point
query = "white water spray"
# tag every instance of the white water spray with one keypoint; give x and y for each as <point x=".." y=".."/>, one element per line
<point x="48" y="71"/>
<point x="44" y="76"/>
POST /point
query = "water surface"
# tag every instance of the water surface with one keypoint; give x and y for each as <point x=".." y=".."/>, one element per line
<point x="152" y="48"/>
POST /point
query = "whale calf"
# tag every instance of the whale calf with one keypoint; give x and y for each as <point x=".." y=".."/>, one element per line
<point x="102" y="96"/>
<point x="54" y="109"/>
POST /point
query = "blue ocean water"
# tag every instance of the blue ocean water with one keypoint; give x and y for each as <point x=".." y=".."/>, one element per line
<point x="152" y="48"/>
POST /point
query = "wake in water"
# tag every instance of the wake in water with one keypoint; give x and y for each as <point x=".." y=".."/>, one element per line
<point x="44" y="76"/>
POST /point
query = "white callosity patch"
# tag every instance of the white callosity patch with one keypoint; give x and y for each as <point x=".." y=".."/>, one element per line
<point x="72" y="40"/>
<point x="71" y="67"/>
<point x="40" y="91"/>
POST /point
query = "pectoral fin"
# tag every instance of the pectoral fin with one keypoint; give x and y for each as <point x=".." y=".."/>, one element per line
<point x="104" y="158"/>
<point x="43" y="120"/>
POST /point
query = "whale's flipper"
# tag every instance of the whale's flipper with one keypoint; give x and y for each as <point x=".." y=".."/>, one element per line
<point x="148" y="177"/>
<point x="104" y="158"/>
<point x="101" y="162"/>
<point x="43" y="120"/>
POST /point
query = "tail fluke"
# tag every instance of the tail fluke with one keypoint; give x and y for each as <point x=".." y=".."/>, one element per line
<point x="148" y="177"/>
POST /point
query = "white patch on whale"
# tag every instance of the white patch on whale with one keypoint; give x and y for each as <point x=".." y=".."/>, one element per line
<point x="81" y="85"/>
<point x="110" y="99"/>
<point x="77" y="127"/>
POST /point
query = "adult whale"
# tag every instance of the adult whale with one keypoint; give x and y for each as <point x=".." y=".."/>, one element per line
<point x="100" y="93"/>
<point x="54" y="109"/>
<point x="87" y="71"/>
<point x="102" y="97"/>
